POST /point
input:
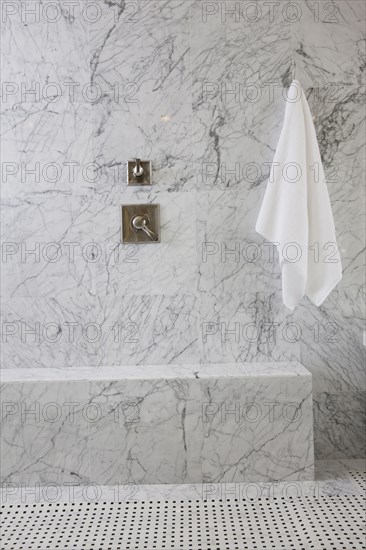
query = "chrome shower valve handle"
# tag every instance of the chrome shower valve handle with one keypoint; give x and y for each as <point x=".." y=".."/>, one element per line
<point x="141" y="223"/>
<point x="138" y="171"/>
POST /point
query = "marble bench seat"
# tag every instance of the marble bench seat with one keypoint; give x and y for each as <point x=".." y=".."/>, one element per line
<point x="157" y="424"/>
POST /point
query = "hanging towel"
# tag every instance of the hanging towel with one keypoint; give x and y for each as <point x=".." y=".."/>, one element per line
<point x="296" y="214"/>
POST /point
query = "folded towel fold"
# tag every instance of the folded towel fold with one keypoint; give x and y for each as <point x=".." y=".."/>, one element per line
<point x="296" y="213"/>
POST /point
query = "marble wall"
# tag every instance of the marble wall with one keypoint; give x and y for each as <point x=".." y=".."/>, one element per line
<point x="197" y="87"/>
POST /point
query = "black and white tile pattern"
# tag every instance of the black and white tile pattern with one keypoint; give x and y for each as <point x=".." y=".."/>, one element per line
<point x="328" y="523"/>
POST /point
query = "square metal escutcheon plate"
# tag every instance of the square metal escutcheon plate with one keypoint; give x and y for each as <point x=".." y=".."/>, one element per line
<point x="141" y="223"/>
<point x="146" y="172"/>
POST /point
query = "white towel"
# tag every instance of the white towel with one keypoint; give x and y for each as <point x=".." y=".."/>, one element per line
<point x="296" y="214"/>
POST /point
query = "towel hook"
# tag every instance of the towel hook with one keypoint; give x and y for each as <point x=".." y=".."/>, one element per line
<point x="293" y="70"/>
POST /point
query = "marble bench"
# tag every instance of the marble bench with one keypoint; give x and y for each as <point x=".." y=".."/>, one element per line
<point x="154" y="424"/>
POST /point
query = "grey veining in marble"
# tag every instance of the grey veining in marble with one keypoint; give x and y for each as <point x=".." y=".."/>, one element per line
<point x="62" y="245"/>
<point x="329" y="41"/>
<point x="156" y="127"/>
<point x="46" y="117"/>
<point x="45" y="432"/>
<point x="144" y="42"/>
<point x="149" y="443"/>
<point x="130" y="428"/>
<point x="87" y="330"/>
<point x="331" y="345"/>
<point x="339" y="424"/>
<point x="199" y="89"/>
<point x="339" y="115"/>
<point x="332" y="478"/>
<point x="255" y="434"/>
<point x="247" y="327"/>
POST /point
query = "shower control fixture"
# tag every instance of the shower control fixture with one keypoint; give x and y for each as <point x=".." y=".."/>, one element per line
<point x="141" y="223"/>
<point x="139" y="172"/>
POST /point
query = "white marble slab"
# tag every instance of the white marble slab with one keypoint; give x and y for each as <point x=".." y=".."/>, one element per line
<point x="147" y="372"/>
<point x="332" y="478"/>
<point x="166" y="424"/>
<point x="86" y="330"/>
<point x="247" y="327"/>
<point x="45" y="432"/>
<point x="257" y="428"/>
<point x="331" y="35"/>
<point x="339" y="424"/>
